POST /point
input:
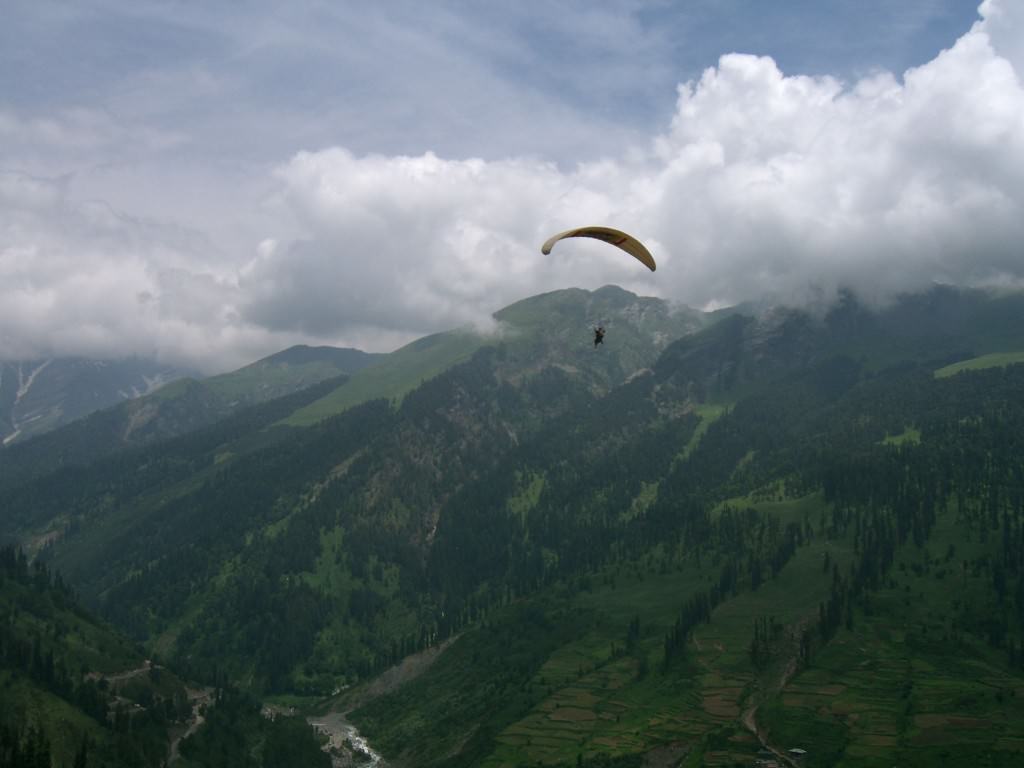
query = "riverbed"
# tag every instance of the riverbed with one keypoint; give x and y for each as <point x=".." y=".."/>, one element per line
<point x="345" y="742"/>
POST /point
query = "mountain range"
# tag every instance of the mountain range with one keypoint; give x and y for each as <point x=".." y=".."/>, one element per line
<point x="710" y="540"/>
<point x="183" y="405"/>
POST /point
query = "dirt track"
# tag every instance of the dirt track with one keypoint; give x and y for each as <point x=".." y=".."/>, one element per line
<point x="749" y="716"/>
<point x="199" y="698"/>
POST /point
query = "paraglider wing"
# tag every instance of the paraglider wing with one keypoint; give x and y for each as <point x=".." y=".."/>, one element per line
<point x="628" y="243"/>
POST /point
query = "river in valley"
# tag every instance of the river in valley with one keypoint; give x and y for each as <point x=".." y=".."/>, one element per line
<point x="346" y="747"/>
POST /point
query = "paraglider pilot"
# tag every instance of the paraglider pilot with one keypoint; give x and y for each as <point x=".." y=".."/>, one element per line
<point x="598" y="335"/>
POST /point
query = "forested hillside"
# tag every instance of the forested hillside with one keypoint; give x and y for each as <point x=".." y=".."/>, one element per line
<point x="835" y="567"/>
<point x="37" y="396"/>
<point x="774" y="532"/>
<point x="73" y="691"/>
<point x="178" y="408"/>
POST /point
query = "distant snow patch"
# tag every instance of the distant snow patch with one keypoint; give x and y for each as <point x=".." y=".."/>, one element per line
<point x="25" y="384"/>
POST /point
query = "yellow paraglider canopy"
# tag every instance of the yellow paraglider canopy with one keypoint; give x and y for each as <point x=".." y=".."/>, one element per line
<point x="626" y="242"/>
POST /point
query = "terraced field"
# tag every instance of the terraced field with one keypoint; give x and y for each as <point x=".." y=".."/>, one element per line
<point x="600" y="702"/>
<point x="903" y="681"/>
<point x="897" y="684"/>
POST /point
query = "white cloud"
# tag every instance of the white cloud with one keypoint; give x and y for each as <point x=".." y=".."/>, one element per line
<point x="763" y="183"/>
<point x="82" y="279"/>
<point x="1003" y="22"/>
<point x="405" y="243"/>
<point x="781" y="183"/>
<point x="44" y="141"/>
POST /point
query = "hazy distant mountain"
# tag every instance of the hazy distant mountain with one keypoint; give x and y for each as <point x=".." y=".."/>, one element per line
<point x="183" y="405"/>
<point x="37" y="396"/>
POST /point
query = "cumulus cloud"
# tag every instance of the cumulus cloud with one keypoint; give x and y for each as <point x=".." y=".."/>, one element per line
<point x="79" y="278"/>
<point x="763" y="184"/>
<point x="774" y="183"/>
<point x="406" y="243"/>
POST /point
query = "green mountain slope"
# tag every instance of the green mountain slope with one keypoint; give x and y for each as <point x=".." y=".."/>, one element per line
<point x="841" y="595"/>
<point x="288" y="371"/>
<point x="398" y="373"/>
<point x="180" y="525"/>
<point x="550" y="329"/>
<point x="681" y="551"/>
<point x="177" y="408"/>
<point x="39" y="512"/>
<point x="75" y="692"/>
<point x="71" y="686"/>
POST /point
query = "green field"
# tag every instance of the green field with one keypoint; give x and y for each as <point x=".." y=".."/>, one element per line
<point x="902" y="686"/>
<point x="909" y="435"/>
<point x="610" y="709"/>
<point x="994" y="360"/>
<point x="269" y="377"/>
<point x="394" y="376"/>
<point x="708" y="414"/>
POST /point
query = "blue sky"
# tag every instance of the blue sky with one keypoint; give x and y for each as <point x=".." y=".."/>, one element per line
<point x="259" y="80"/>
<point x="212" y="181"/>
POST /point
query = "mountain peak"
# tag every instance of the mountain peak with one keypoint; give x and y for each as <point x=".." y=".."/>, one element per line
<point x="346" y="358"/>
